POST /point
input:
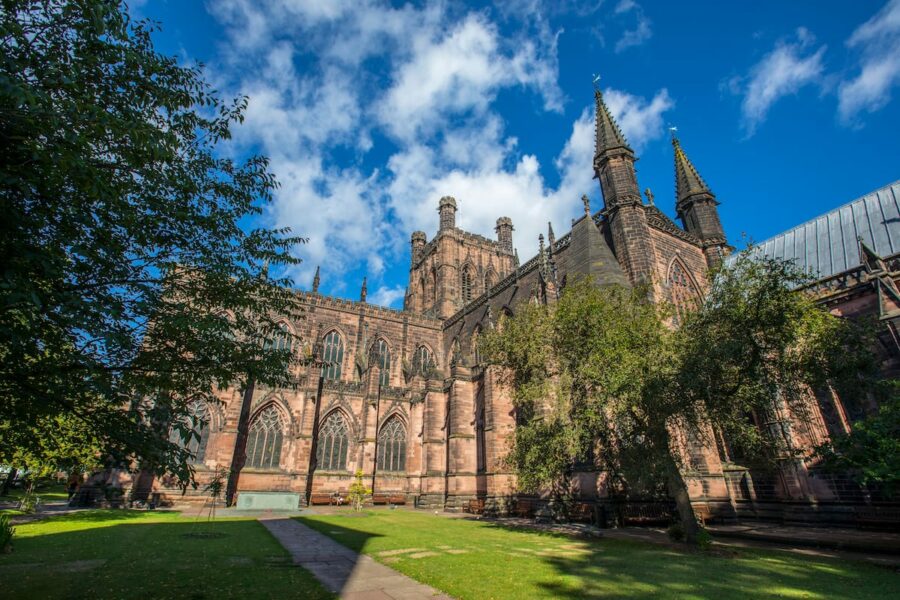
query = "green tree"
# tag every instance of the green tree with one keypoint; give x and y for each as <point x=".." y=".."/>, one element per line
<point x="358" y="492"/>
<point x="870" y="453"/>
<point x="601" y="376"/>
<point x="133" y="281"/>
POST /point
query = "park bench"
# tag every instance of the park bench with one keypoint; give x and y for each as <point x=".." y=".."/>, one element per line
<point x="646" y="513"/>
<point x="582" y="512"/>
<point x="525" y="507"/>
<point x="334" y="499"/>
<point x="878" y="517"/>
<point x="475" y="506"/>
<point x="388" y="499"/>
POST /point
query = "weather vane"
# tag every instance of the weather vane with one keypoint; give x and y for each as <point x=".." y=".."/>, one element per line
<point x="596" y="81"/>
<point x="673" y="130"/>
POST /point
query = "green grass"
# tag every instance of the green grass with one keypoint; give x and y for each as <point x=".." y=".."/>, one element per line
<point x="478" y="559"/>
<point x="130" y="554"/>
<point x="47" y="491"/>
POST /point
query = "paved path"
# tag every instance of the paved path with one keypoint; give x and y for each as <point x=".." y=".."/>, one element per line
<point x="341" y="570"/>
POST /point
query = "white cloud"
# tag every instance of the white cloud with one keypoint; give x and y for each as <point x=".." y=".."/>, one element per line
<point x="641" y="121"/>
<point x="789" y="67"/>
<point x="387" y="296"/>
<point x="878" y="41"/>
<point x="642" y="30"/>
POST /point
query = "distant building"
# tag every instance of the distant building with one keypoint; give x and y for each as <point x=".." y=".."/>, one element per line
<point x="407" y="397"/>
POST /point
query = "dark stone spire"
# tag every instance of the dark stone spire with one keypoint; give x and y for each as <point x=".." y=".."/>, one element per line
<point x="551" y="237"/>
<point x="587" y="205"/>
<point x="364" y="291"/>
<point x="315" y="287"/>
<point x="688" y="181"/>
<point x="609" y="136"/>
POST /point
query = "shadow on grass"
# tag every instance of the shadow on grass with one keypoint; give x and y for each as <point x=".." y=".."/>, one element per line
<point x="128" y="554"/>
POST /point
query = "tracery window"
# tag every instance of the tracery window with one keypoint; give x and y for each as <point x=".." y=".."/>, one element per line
<point x="333" y="355"/>
<point x="281" y="340"/>
<point x="381" y="356"/>
<point x="423" y="361"/>
<point x="466" y="284"/>
<point x="392" y="446"/>
<point x="682" y="293"/>
<point x="334" y="441"/>
<point x="198" y="419"/>
<point x="265" y="440"/>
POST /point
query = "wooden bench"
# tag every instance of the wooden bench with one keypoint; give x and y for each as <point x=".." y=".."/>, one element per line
<point x="389" y="499"/>
<point x="475" y="507"/>
<point x="525" y="507"/>
<point x="582" y="512"/>
<point x="336" y="499"/>
<point x="878" y="517"/>
<point x="646" y="513"/>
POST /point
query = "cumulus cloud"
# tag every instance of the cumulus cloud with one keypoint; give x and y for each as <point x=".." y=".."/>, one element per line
<point x="641" y="121"/>
<point x="641" y="30"/>
<point x="878" y="41"/>
<point x="326" y="79"/>
<point x="789" y="67"/>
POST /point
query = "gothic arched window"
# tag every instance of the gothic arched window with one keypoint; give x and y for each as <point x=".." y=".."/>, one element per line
<point x="381" y="356"/>
<point x="466" y="284"/>
<point x="682" y="293"/>
<point x="334" y="441"/>
<point x="392" y="446"/>
<point x="198" y="420"/>
<point x="281" y="340"/>
<point x="333" y="355"/>
<point x="455" y="352"/>
<point x="423" y="361"/>
<point x="265" y="439"/>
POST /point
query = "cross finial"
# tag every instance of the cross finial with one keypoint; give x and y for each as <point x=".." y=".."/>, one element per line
<point x="587" y="204"/>
<point x="596" y="81"/>
<point x="672" y="131"/>
<point x="649" y="195"/>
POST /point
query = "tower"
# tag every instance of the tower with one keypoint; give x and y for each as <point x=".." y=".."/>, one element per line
<point x="447" y="210"/>
<point x="696" y="207"/>
<point x="614" y="167"/>
<point x="504" y="231"/>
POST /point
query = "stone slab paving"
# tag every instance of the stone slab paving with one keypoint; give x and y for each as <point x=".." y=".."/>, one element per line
<point x="341" y="570"/>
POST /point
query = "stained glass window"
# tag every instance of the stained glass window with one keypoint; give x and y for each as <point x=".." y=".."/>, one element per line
<point x="682" y="293"/>
<point x="423" y="361"/>
<point x="197" y="418"/>
<point x="334" y="441"/>
<point x="392" y="446"/>
<point x="381" y="356"/>
<point x="265" y="439"/>
<point x="333" y="356"/>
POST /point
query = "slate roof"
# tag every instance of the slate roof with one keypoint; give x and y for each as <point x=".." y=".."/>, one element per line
<point x="828" y="244"/>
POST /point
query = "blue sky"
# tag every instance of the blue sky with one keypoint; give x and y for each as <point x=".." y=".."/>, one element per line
<point x="372" y="111"/>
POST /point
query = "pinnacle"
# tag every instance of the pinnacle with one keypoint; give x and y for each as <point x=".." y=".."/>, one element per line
<point x="687" y="179"/>
<point x="609" y="136"/>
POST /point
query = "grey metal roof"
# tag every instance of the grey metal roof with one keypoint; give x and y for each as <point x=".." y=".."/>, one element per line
<point x="828" y="245"/>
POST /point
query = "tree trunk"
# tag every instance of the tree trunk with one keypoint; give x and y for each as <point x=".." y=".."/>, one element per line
<point x="8" y="481"/>
<point x="678" y="490"/>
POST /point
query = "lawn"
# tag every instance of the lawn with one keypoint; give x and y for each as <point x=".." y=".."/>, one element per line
<point x="47" y="491"/>
<point x="130" y="554"/>
<point x="478" y="559"/>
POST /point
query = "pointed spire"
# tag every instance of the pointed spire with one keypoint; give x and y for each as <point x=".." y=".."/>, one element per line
<point x="609" y="136"/>
<point x="364" y="291"/>
<point x="687" y="180"/>
<point x="315" y="288"/>
<point x="551" y="237"/>
<point x="650" y="196"/>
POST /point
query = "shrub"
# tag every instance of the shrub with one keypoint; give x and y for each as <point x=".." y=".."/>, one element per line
<point x="6" y="534"/>
<point x="675" y="532"/>
<point x="29" y="502"/>
<point x="704" y="540"/>
<point x="358" y="491"/>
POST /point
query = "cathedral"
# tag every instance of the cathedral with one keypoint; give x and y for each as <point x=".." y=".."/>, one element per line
<point x="404" y="396"/>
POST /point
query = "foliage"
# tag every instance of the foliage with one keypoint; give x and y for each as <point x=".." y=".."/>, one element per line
<point x="7" y="531"/>
<point x="483" y="559"/>
<point x="29" y="502"/>
<point x="602" y="374"/>
<point x="358" y="492"/>
<point x="130" y="285"/>
<point x="871" y="451"/>
<point x="215" y="487"/>
<point x="675" y="532"/>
